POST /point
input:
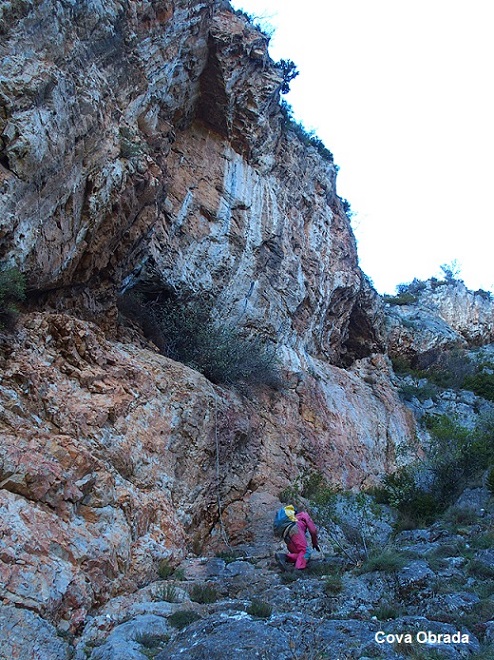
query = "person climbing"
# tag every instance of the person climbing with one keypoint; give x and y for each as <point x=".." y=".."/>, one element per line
<point x="292" y="525"/>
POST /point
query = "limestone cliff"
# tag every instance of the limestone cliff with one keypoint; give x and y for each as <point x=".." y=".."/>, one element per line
<point x="141" y="137"/>
<point x="433" y="316"/>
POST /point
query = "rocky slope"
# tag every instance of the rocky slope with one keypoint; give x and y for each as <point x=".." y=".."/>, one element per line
<point x="433" y="586"/>
<point x="144" y="141"/>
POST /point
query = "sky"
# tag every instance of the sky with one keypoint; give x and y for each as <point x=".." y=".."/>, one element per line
<point x="401" y="92"/>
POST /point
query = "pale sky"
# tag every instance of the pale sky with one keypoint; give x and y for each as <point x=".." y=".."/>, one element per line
<point x="401" y="92"/>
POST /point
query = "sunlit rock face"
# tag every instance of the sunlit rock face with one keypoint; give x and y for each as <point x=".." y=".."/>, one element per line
<point x="153" y="130"/>
<point x="114" y="457"/>
<point x="444" y="315"/>
<point x="147" y="137"/>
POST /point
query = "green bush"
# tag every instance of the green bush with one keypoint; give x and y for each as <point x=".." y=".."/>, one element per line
<point x="420" y="392"/>
<point x="388" y="560"/>
<point x="480" y="569"/>
<point x="168" y="593"/>
<point x="482" y="384"/>
<point x="131" y="144"/>
<point x="459" y="516"/>
<point x="228" y="556"/>
<point x="416" y="505"/>
<point x="260" y="609"/>
<point x="182" y="618"/>
<point x="165" y="570"/>
<point x="332" y="585"/>
<point x="315" y="487"/>
<point x="483" y="541"/>
<point x="12" y="291"/>
<point x="289" y="71"/>
<point x="309" y="138"/>
<point x="152" y="642"/>
<point x="388" y="611"/>
<point x="183" y="328"/>
<point x="449" y="369"/>
<point x="204" y="594"/>
<point x="287" y="578"/>
<point x="415" y="287"/>
<point x="444" y="369"/>
<point x="401" y="299"/>
<point x="455" y="459"/>
<point x="401" y="365"/>
<point x="490" y="480"/>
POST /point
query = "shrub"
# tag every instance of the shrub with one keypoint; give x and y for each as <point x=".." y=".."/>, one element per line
<point x="165" y="570"/>
<point x="320" y="568"/>
<point x="483" y="541"/>
<point x="486" y="295"/>
<point x="183" y="328"/>
<point x="415" y="504"/>
<point x="333" y="585"/>
<point x="12" y="291"/>
<point x="456" y="458"/>
<point x="287" y="578"/>
<point x="420" y="392"/>
<point x="182" y="618"/>
<point x="490" y="480"/>
<point x="152" y="642"/>
<point x="482" y="384"/>
<point x="168" y="593"/>
<point x="401" y="365"/>
<point x="387" y="611"/>
<point x="480" y="569"/>
<point x="401" y="299"/>
<point x="316" y="488"/>
<point x="388" y="560"/>
<point x="204" y="594"/>
<point x="309" y="138"/>
<point x="415" y="287"/>
<point x="449" y="369"/>
<point x="484" y="589"/>
<point x="228" y="556"/>
<point x="260" y="609"/>
<point x="451" y="271"/>
<point x="131" y="144"/>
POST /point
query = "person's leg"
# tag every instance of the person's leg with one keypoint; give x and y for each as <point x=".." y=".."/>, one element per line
<point x="297" y="547"/>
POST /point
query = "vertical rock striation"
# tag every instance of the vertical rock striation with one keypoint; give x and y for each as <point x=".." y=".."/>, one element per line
<point x="147" y="137"/>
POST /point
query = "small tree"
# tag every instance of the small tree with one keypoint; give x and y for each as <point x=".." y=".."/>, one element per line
<point x="451" y="271"/>
<point x="289" y="71"/>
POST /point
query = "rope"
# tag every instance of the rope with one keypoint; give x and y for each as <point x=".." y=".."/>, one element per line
<point x="218" y="493"/>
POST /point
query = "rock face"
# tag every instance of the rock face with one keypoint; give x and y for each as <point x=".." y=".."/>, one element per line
<point x="113" y="457"/>
<point x="147" y="137"/>
<point x="440" y="316"/>
<point x="138" y="131"/>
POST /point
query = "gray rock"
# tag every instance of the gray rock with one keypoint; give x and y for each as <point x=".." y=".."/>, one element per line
<point x="415" y="578"/>
<point x="243" y="568"/>
<point x="234" y="636"/>
<point x="489" y="631"/>
<point x="129" y="640"/>
<point x="416" y="625"/>
<point x="25" y="635"/>
<point x="474" y="498"/>
<point x="361" y="594"/>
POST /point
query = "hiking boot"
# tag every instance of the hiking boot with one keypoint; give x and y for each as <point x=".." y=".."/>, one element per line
<point x="281" y="561"/>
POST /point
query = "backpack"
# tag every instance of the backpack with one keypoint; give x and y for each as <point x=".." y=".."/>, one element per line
<point x="284" y="520"/>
